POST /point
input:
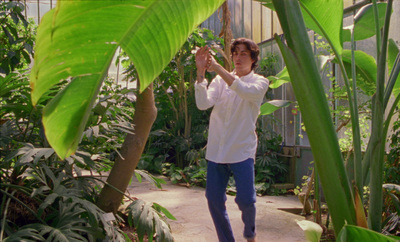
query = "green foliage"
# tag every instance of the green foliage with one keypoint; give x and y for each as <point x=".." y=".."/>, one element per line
<point x="152" y="179"/>
<point x="43" y="197"/>
<point x="392" y="165"/>
<point x="16" y="37"/>
<point x="151" y="32"/>
<point x="326" y="18"/>
<point x="268" y="65"/>
<point x="391" y="212"/>
<point x="180" y="131"/>
<point x="191" y="175"/>
<point x="48" y="201"/>
<point x="313" y="231"/>
<point x="108" y="123"/>
<point x="269" y="167"/>
<point x="354" y="233"/>
<point x="149" y="220"/>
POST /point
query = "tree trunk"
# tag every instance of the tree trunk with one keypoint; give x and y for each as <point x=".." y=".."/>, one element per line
<point x="131" y="151"/>
<point x="227" y="34"/>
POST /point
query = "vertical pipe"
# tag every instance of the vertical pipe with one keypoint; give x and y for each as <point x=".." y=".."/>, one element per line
<point x="261" y="24"/>
<point x="242" y="13"/>
<point x="38" y="11"/>
<point x="26" y="14"/>
<point x="251" y="20"/>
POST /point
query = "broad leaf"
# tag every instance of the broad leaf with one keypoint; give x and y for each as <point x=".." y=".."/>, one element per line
<point x="310" y="94"/>
<point x="281" y="78"/>
<point x="146" y="220"/>
<point x="325" y="17"/>
<point x="393" y="51"/>
<point x="364" y="23"/>
<point x="353" y="233"/>
<point x="328" y="15"/>
<point x="271" y="106"/>
<point x="313" y="231"/>
<point x="267" y="3"/>
<point x="78" y="39"/>
<point x="365" y="67"/>
<point x="163" y="210"/>
<point x="277" y="82"/>
<point x="149" y="177"/>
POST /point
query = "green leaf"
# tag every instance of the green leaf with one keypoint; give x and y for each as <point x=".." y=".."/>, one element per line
<point x="328" y="15"/>
<point x="147" y="221"/>
<point x="365" y="67"/>
<point x="313" y="231"/>
<point x="149" y="177"/>
<point x="271" y="106"/>
<point x="78" y="39"/>
<point x="25" y="234"/>
<point x="165" y="211"/>
<point x="393" y="51"/>
<point x="277" y="82"/>
<point x="364" y="23"/>
<point x="353" y="233"/>
<point x="310" y="94"/>
<point x="267" y="3"/>
<point x="281" y="78"/>
<point x="389" y="187"/>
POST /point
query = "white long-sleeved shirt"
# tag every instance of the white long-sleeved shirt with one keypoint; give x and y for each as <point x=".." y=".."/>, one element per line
<point x="232" y="137"/>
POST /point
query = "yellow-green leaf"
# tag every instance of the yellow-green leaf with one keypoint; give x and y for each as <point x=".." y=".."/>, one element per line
<point x="77" y="40"/>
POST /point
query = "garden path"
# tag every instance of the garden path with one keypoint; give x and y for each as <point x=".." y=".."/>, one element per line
<point x="194" y="222"/>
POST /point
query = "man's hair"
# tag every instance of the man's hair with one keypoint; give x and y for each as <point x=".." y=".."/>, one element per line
<point x="251" y="46"/>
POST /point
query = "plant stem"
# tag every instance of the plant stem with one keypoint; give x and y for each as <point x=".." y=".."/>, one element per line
<point x="377" y="133"/>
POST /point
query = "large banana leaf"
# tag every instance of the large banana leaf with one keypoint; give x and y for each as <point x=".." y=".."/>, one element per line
<point x="365" y="67"/>
<point x="307" y="85"/>
<point x="393" y="51"/>
<point x="273" y="105"/>
<point x="77" y="41"/>
<point x="330" y="18"/>
<point x="364" y="23"/>
<point x="351" y="233"/>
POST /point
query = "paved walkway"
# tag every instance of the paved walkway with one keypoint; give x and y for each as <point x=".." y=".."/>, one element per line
<point x="194" y="222"/>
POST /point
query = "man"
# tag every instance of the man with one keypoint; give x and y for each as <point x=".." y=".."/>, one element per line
<point x="236" y="98"/>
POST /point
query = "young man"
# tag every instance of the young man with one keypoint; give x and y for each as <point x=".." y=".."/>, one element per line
<point x="236" y="98"/>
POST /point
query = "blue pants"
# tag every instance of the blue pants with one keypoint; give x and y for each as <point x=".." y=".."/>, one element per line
<point x="217" y="180"/>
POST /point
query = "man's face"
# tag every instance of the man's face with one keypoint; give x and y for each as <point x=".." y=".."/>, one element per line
<point x="242" y="60"/>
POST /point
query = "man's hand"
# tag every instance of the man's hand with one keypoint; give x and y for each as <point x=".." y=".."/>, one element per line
<point x="212" y="64"/>
<point x="202" y="58"/>
<point x="203" y="61"/>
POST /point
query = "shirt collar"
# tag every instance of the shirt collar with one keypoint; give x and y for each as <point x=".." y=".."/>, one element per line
<point x="246" y="76"/>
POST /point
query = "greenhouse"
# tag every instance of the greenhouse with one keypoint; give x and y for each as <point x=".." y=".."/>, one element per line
<point x="101" y="109"/>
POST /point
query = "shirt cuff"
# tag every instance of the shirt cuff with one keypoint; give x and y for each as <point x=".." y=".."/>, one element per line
<point x="202" y="84"/>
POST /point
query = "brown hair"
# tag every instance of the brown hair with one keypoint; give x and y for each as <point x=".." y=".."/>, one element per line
<point x="251" y="46"/>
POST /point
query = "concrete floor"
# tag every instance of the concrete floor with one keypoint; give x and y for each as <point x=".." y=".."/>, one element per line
<point x="194" y="223"/>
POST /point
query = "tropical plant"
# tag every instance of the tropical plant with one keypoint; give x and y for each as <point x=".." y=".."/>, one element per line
<point x="392" y="165"/>
<point x="43" y="197"/>
<point x="180" y="127"/>
<point x="155" y="224"/>
<point x="71" y="44"/>
<point x="16" y="38"/>
<point x="269" y="167"/>
<point x="326" y="17"/>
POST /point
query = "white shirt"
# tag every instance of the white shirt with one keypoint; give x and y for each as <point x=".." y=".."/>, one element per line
<point x="232" y="137"/>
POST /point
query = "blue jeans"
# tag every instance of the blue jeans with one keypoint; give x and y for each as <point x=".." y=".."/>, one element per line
<point x="217" y="181"/>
